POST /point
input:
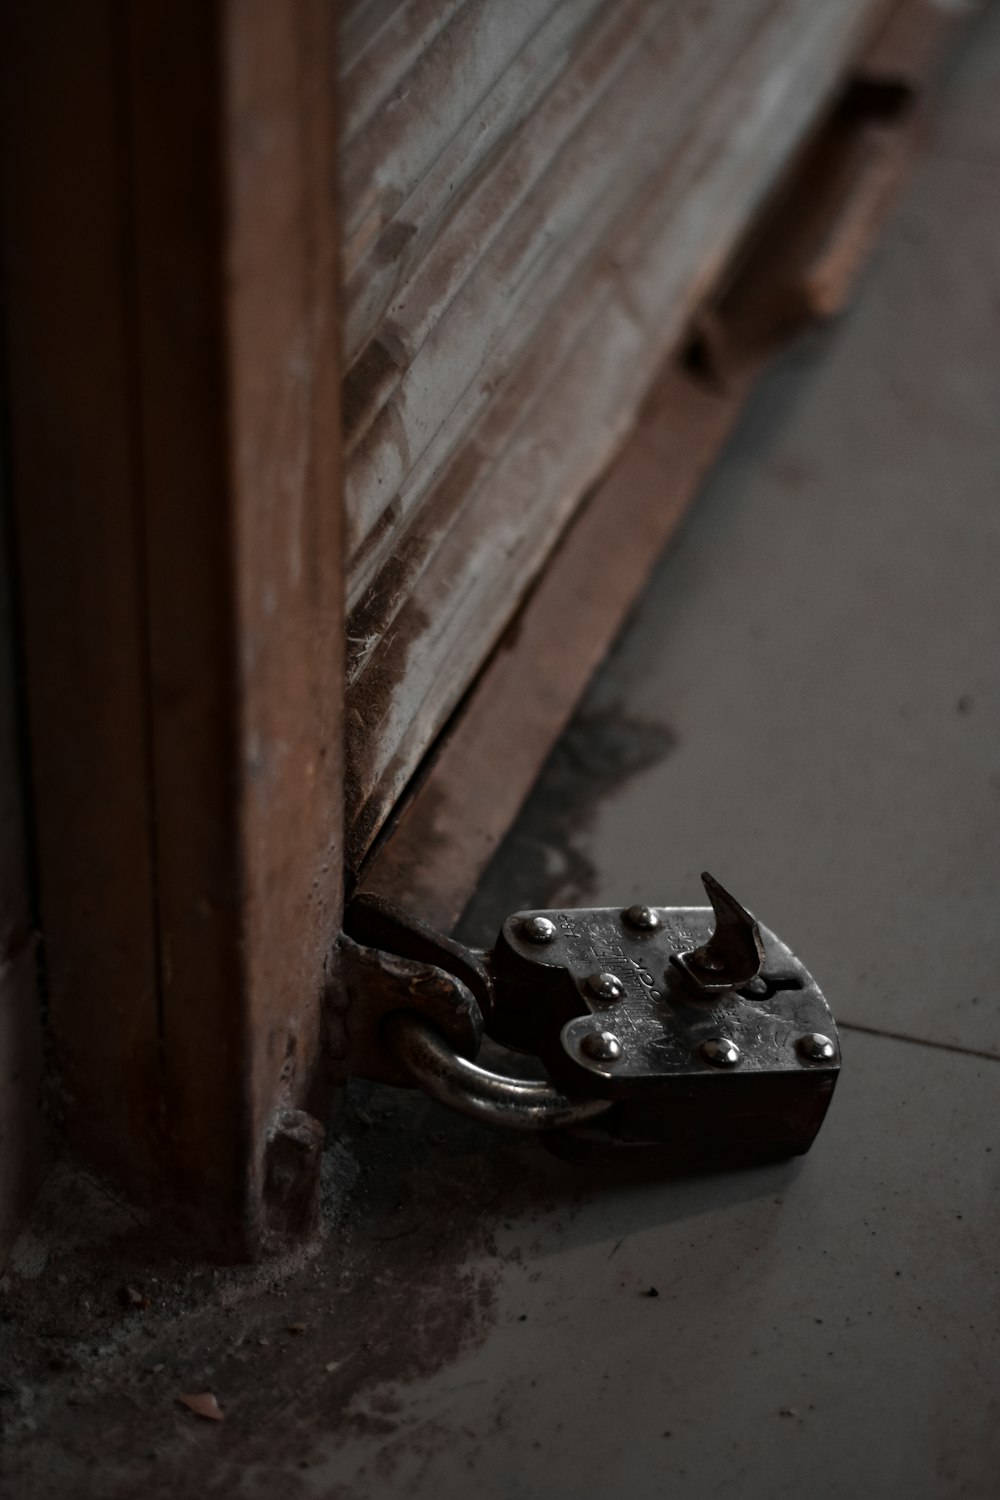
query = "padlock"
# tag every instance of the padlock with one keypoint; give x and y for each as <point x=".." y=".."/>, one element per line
<point x="689" y="1033"/>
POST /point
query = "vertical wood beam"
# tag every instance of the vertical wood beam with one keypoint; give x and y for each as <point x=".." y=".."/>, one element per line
<point x="234" y="174"/>
<point x="216" y="540"/>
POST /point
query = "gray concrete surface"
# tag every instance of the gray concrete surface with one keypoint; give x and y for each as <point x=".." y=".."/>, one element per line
<point x="826" y="1328"/>
<point x="807" y="702"/>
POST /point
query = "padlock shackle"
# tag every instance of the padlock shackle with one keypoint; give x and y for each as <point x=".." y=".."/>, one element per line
<point x="513" y="1103"/>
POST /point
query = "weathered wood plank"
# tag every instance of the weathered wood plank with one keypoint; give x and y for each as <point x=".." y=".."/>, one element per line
<point x="381" y="43"/>
<point x="433" y="853"/>
<point x="169" y="236"/>
<point x="552" y="205"/>
<point x="463" y="199"/>
<point x="521" y="466"/>
<point x="449" y="78"/>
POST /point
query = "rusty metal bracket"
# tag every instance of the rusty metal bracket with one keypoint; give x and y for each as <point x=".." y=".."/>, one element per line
<point x="377" y="984"/>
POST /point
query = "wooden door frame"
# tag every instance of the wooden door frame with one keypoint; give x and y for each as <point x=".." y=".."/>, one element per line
<point x="170" y="279"/>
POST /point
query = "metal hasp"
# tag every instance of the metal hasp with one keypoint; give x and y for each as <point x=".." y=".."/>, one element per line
<point x="689" y="1033"/>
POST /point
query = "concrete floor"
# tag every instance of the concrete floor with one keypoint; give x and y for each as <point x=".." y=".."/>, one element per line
<point x="807" y="702"/>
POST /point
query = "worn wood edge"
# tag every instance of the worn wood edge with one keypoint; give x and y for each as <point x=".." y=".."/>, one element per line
<point x="235" y="221"/>
<point x="473" y="783"/>
<point x="289" y="540"/>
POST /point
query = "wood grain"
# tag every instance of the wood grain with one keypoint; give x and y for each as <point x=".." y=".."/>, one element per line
<point x="236" y="287"/>
<point x="555" y="197"/>
<point x="821" y="218"/>
<point x="550" y="391"/>
<point x="462" y="201"/>
<point x="170" y="254"/>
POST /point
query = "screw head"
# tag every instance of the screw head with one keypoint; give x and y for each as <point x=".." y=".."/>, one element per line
<point x="720" y="1051"/>
<point x="538" y="930"/>
<point x="815" y="1047"/>
<point x="642" y="917"/>
<point x="601" y="1046"/>
<point x="605" y="987"/>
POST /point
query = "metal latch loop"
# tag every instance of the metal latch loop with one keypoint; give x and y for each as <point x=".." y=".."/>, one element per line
<point x="496" y="1099"/>
<point x="375" y="984"/>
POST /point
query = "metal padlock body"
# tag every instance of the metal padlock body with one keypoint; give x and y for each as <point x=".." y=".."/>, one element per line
<point x="669" y="1098"/>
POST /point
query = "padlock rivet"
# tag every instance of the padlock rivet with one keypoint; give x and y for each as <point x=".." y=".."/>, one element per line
<point x="601" y="1046"/>
<point x="538" y="930"/>
<point x="642" y="917"/>
<point x="605" y="986"/>
<point x="720" y="1051"/>
<point x="815" y="1047"/>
